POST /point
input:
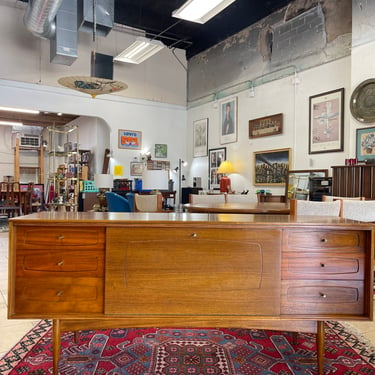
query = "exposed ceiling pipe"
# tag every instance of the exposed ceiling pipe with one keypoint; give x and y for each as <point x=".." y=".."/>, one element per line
<point x="39" y="17"/>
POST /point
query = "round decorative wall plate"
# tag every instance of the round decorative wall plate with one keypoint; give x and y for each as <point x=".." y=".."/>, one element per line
<point x="362" y="102"/>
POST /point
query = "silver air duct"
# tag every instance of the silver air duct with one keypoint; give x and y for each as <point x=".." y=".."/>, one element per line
<point x="39" y="17"/>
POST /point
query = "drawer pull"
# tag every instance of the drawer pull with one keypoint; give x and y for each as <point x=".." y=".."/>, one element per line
<point x="194" y="235"/>
<point x="60" y="263"/>
<point x="60" y="293"/>
<point x="324" y="240"/>
<point x="322" y="265"/>
<point x="61" y="237"/>
<point x="323" y="295"/>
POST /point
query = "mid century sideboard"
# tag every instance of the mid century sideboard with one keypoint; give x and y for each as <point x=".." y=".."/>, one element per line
<point x="100" y="270"/>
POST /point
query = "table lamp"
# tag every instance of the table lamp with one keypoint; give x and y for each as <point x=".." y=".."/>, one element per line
<point x="103" y="182"/>
<point x="225" y="168"/>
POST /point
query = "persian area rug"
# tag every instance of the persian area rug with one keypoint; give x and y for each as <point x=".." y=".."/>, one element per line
<point x="189" y="352"/>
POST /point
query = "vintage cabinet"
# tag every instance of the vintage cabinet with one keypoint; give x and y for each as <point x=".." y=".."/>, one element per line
<point x="99" y="270"/>
<point x="354" y="181"/>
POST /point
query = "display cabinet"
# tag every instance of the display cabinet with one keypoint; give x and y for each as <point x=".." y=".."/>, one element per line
<point x="354" y="181"/>
<point x="64" y="166"/>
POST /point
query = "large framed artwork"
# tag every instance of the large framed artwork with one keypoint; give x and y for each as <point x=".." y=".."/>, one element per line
<point x="130" y="139"/>
<point x="326" y="123"/>
<point x="228" y="120"/>
<point x="200" y="137"/>
<point x="271" y="167"/>
<point x="215" y="157"/>
<point x="365" y="144"/>
<point x="264" y="126"/>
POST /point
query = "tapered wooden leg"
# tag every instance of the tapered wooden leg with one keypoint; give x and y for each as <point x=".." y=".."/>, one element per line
<point x="56" y="343"/>
<point x="320" y="346"/>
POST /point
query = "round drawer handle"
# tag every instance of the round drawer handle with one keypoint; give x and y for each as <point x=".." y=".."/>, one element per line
<point x="60" y="293"/>
<point x="60" y="263"/>
<point x="324" y="240"/>
<point x="194" y="235"/>
<point x="322" y="265"/>
<point x="61" y="237"/>
<point x="323" y="295"/>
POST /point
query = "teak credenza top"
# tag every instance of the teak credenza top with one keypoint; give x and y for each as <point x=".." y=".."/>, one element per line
<point x="99" y="270"/>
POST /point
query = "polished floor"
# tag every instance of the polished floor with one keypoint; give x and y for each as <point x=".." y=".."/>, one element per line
<point x="12" y="330"/>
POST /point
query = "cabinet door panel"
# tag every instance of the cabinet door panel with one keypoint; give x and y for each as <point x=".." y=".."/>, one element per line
<point x="209" y="272"/>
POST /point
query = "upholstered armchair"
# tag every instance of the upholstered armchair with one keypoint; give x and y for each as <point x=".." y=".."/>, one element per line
<point x="117" y="203"/>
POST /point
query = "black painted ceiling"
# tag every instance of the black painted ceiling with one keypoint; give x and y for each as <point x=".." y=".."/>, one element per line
<point x="155" y="17"/>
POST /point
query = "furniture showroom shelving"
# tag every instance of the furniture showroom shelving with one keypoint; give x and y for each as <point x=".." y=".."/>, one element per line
<point x="63" y="155"/>
<point x="28" y="161"/>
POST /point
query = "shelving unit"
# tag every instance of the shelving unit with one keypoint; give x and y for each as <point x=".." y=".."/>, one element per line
<point x="23" y="166"/>
<point x="63" y="180"/>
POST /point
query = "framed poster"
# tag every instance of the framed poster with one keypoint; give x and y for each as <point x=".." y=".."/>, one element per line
<point x="271" y="167"/>
<point x="365" y="144"/>
<point x="161" y="150"/>
<point x="200" y="137"/>
<point x="264" y="126"/>
<point x="215" y="157"/>
<point x="136" y="168"/>
<point x="228" y="120"/>
<point x="129" y="139"/>
<point x="326" y="123"/>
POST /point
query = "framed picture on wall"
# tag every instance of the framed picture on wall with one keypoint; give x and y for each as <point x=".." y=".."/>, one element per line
<point x="264" y="126"/>
<point x="136" y="168"/>
<point x="215" y="157"/>
<point x="130" y="139"/>
<point x="228" y="120"/>
<point x="365" y="141"/>
<point x="271" y="167"/>
<point x="200" y="137"/>
<point x="326" y="123"/>
<point x="161" y="150"/>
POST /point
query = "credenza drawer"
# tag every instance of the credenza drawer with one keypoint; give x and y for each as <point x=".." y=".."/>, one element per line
<point x="37" y="237"/>
<point x="44" y="263"/>
<point x="296" y="240"/>
<point x="322" y="297"/>
<point x="58" y="295"/>
<point x="320" y="266"/>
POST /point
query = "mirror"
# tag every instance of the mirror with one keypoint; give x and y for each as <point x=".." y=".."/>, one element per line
<point x="298" y="181"/>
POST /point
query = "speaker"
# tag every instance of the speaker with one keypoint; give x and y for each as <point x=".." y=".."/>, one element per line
<point x="197" y="182"/>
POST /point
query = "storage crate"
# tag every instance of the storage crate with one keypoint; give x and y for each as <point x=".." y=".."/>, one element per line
<point x="87" y="186"/>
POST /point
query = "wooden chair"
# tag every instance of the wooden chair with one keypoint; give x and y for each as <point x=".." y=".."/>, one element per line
<point x="362" y="210"/>
<point x="148" y="203"/>
<point x="10" y="200"/>
<point x="315" y="208"/>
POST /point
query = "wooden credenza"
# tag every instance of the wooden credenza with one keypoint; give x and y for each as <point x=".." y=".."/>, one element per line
<point x="354" y="181"/>
<point x="102" y="270"/>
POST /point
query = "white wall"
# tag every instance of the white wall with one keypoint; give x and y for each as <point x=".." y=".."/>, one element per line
<point x="280" y="96"/>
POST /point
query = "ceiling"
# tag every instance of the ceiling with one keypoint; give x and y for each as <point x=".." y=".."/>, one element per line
<point x="155" y="18"/>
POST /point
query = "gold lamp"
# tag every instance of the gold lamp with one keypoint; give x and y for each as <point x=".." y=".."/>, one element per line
<point x="226" y="167"/>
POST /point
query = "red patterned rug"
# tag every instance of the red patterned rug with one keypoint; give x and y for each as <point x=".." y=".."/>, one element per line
<point x="189" y="352"/>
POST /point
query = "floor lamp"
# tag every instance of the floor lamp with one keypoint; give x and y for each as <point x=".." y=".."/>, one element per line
<point x="180" y="164"/>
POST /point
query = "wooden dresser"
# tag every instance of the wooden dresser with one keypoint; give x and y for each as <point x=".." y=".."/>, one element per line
<point x="102" y="270"/>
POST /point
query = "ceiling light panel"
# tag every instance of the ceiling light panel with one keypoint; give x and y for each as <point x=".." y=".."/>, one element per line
<point x="140" y="50"/>
<point x="200" y="11"/>
<point x="20" y="110"/>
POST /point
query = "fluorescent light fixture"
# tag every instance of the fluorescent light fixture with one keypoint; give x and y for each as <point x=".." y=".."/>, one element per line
<point x="200" y="11"/>
<point x="140" y="50"/>
<point x="21" y="110"/>
<point x="11" y="123"/>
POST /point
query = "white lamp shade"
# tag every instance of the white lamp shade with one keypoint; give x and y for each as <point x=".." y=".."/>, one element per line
<point x="103" y="181"/>
<point x="155" y="179"/>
